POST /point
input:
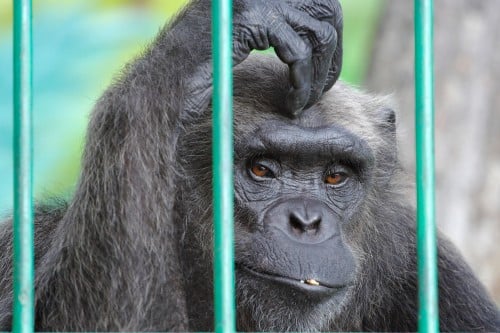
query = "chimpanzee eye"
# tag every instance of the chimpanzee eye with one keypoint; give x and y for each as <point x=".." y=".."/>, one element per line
<point x="262" y="171"/>
<point x="336" y="178"/>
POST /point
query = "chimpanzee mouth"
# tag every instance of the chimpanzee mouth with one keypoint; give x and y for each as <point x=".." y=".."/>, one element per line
<point x="306" y="284"/>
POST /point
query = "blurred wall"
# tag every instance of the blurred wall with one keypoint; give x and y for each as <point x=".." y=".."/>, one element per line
<point x="467" y="92"/>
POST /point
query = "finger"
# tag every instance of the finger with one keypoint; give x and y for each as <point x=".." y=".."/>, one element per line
<point x="329" y="11"/>
<point x="247" y="39"/>
<point x="335" y="67"/>
<point x="336" y="64"/>
<point x="300" y="77"/>
<point x="322" y="10"/>
<point x="323" y="39"/>
<point x="296" y="52"/>
<point x="321" y="66"/>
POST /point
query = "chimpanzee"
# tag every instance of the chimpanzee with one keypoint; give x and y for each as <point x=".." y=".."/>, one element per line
<point x="324" y="232"/>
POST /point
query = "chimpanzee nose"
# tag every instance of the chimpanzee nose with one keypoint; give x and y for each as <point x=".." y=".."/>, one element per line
<point x="304" y="221"/>
<point x="307" y="221"/>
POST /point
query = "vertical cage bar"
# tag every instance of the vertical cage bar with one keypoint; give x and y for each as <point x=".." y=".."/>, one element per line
<point x="222" y="133"/>
<point x="23" y="311"/>
<point x="424" y="128"/>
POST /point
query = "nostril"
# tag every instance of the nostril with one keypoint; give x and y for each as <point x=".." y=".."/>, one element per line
<point x="296" y="224"/>
<point x="314" y="224"/>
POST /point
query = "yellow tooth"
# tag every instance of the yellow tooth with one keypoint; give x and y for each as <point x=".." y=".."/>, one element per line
<point x="312" y="282"/>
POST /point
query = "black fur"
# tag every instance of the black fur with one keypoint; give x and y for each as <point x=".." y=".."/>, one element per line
<point x="132" y="250"/>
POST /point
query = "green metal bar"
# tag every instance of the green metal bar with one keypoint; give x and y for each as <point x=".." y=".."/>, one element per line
<point x="424" y="127"/>
<point x="223" y="166"/>
<point x="24" y="310"/>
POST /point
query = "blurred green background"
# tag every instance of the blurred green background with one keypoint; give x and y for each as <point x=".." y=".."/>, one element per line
<point x="79" y="45"/>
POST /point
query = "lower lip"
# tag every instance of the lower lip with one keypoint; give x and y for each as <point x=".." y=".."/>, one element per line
<point x="304" y="287"/>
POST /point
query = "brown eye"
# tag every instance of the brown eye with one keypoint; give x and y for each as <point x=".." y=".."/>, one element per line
<point x="335" y="178"/>
<point x="261" y="171"/>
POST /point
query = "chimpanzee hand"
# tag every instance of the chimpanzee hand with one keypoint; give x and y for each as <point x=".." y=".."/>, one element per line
<point x="306" y="35"/>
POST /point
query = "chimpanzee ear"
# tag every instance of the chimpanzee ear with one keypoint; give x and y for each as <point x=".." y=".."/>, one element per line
<point x="387" y="119"/>
<point x="386" y="122"/>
